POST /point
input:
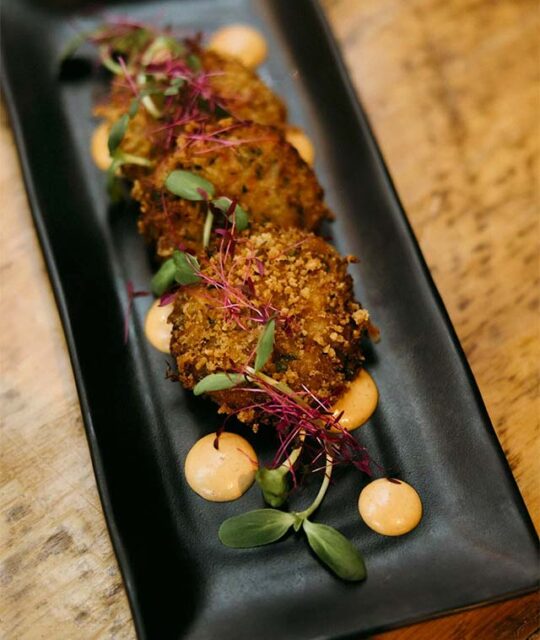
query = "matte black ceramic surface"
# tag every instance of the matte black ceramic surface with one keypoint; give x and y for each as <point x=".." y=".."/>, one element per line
<point x="475" y="543"/>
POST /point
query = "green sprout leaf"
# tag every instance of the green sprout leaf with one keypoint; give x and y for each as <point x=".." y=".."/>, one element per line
<point x="333" y="548"/>
<point x="239" y="216"/>
<point x="255" y="528"/>
<point x="189" y="185"/>
<point x="164" y="278"/>
<point x="117" y="133"/>
<point x="274" y="485"/>
<point x="217" y="382"/>
<point x="194" y="62"/>
<point x="187" y="268"/>
<point x="265" y="346"/>
<point x="133" y="108"/>
<point x="160" y="45"/>
<point x="207" y="230"/>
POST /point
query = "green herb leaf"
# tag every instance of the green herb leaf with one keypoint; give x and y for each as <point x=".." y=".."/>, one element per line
<point x="164" y="278"/>
<point x="133" y="108"/>
<point x="117" y="133"/>
<point x="159" y="45"/>
<point x="333" y="548"/>
<point x="217" y="382"/>
<point x="265" y="345"/>
<point x="109" y="63"/>
<point x="255" y="528"/>
<point x="207" y="231"/>
<point x="171" y="91"/>
<point x="274" y="485"/>
<point x="194" y="62"/>
<point x="239" y="216"/>
<point x="189" y="185"/>
<point x="187" y="267"/>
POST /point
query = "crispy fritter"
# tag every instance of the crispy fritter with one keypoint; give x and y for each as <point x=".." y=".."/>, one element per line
<point x="235" y="88"/>
<point x="242" y="93"/>
<point x="250" y="163"/>
<point x="298" y="277"/>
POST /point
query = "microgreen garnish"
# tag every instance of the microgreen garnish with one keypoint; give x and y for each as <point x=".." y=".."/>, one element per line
<point x="255" y="528"/>
<point x="164" y="278"/>
<point x="265" y="345"/>
<point x="274" y="484"/>
<point x="333" y="548"/>
<point x="207" y="229"/>
<point x="117" y="133"/>
<point x="189" y="185"/>
<point x="187" y="268"/>
<point x="263" y="526"/>
<point x="120" y="158"/>
<point x="218" y="382"/>
<point x="233" y="211"/>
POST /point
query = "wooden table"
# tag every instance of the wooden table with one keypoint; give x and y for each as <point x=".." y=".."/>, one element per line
<point x="452" y="91"/>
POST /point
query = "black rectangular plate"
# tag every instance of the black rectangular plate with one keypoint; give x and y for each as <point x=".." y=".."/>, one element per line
<point x="475" y="544"/>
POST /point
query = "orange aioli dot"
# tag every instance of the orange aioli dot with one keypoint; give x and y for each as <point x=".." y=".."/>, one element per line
<point x="358" y="403"/>
<point x="242" y="42"/>
<point x="157" y="328"/>
<point x="222" y="474"/>
<point x="99" y="146"/>
<point x="391" y="508"/>
<point x="301" y="142"/>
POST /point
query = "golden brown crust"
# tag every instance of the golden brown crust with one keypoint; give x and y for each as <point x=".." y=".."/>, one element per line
<point x="251" y="163"/>
<point x="243" y="94"/>
<point x="319" y="326"/>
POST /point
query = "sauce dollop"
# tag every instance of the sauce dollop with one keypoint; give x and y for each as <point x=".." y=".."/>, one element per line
<point x="390" y="507"/>
<point x="222" y="474"/>
<point x="301" y="142"/>
<point x="157" y="329"/>
<point x="242" y="42"/>
<point x="359" y="402"/>
<point x="99" y="146"/>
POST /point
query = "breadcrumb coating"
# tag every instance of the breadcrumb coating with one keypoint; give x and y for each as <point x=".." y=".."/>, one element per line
<point x="250" y="163"/>
<point x="319" y="325"/>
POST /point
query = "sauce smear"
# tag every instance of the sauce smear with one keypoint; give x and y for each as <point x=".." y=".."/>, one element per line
<point x="242" y="42"/>
<point x="359" y="402"/>
<point x="390" y="507"/>
<point x="222" y="474"/>
<point x="157" y="329"/>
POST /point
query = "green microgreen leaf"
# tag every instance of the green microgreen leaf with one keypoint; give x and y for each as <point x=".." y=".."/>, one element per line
<point x="189" y="185"/>
<point x="217" y="382"/>
<point x="207" y="228"/>
<point x="239" y="215"/>
<point x="187" y="268"/>
<point x="333" y="548"/>
<point x="160" y="44"/>
<point x="117" y="133"/>
<point x="109" y="63"/>
<point x="274" y="485"/>
<point x="255" y="528"/>
<point x="133" y="108"/>
<point x="265" y="346"/>
<point x="171" y="91"/>
<point x="194" y="62"/>
<point x="164" y="278"/>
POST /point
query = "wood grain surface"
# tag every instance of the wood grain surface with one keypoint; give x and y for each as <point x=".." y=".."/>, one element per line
<point x="452" y="90"/>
